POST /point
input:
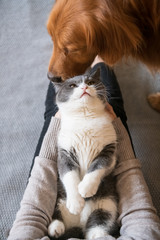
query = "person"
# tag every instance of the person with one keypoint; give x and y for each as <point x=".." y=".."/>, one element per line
<point x="137" y="215"/>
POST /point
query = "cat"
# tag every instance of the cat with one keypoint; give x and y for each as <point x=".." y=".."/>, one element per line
<point x="87" y="142"/>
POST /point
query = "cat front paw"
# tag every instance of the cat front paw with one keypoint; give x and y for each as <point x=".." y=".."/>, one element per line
<point x="87" y="187"/>
<point x="56" y="228"/>
<point x="75" y="204"/>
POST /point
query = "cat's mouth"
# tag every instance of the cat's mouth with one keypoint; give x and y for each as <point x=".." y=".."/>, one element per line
<point x="85" y="93"/>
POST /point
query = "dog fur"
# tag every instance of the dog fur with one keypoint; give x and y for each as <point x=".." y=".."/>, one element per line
<point x="112" y="29"/>
<point x="154" y="101"/>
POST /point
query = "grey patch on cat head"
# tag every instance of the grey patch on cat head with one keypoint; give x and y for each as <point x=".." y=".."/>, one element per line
<point x="65" y="89"/>
<point x="96" y="74"/>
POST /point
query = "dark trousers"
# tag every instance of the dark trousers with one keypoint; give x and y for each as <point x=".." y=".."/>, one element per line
<point x="113" y="93"/>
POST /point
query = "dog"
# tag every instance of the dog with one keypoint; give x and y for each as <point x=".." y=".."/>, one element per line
<point x="112" y="29"/>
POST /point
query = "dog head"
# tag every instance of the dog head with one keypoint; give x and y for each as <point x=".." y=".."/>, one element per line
<point x="67" y="28"/>
<point x="82" y="29"/>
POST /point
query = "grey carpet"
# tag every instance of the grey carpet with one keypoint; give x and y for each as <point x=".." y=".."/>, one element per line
<point x="25" y="49"/>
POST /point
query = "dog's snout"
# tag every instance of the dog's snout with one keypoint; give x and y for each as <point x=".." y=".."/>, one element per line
<point x="50" y="75"/>
<point x="53" y="78"/>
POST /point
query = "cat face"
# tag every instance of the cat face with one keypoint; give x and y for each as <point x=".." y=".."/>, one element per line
<point x="81" y="90"/>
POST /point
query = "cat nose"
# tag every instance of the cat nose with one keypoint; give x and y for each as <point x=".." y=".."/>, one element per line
<point x="84" y="87"/>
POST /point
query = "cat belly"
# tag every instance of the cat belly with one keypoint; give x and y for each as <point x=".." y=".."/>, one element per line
<point x="70" y="220"/>
<point x="87" y="142"/>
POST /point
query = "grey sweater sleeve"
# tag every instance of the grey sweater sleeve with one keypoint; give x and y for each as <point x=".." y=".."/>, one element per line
<point x="137" y="214"/>
<point x="37" y="205"/>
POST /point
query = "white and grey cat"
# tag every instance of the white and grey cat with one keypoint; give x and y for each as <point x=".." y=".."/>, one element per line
<point x="86" y="159"/>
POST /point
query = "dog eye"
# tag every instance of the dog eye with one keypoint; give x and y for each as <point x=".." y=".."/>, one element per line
<point x="90" y="83"/>
<point x="66" y="51"/>
<point x="73" y="85"/>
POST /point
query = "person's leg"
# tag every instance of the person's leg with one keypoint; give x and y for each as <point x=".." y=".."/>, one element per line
<point x="50" y="110"/>
<point x="113" y="91"/>
<point x="114" y="94"/>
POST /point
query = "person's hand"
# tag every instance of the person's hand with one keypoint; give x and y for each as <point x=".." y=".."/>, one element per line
<point x="109" y="109"/>
<point x="58" y="115"/>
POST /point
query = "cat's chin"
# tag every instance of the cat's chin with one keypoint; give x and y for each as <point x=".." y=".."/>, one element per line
<point x="85" y="94"/>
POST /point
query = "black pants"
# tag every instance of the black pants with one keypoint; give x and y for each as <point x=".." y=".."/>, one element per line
<point x="113" y="93"/>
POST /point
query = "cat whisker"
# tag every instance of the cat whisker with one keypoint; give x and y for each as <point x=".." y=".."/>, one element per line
<point x="106" y="89"/>
<point x="102" y="92"/>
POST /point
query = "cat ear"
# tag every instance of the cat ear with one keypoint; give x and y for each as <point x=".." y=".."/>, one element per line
<point x="96" y="74"/>
<point x="57" y="83"/>
<point x="57" y="86"/>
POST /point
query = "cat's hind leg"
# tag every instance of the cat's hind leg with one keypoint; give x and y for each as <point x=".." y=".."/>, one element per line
<point x="102" y="221"/>
<point x="56" y="228"/>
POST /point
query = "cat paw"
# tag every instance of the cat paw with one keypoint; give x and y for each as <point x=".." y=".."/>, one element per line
<point x="56" y="228"/>
<point x="87" y="188"/>
<point x="97" y="232"/>
<point x="75" y="204"/>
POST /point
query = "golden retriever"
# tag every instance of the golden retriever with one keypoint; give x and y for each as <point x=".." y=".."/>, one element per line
<point x="112" y="29"/>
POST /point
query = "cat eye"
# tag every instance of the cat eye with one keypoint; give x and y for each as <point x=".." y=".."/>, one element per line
<point x="73" y="85"/>
<point x="90" y="83"/>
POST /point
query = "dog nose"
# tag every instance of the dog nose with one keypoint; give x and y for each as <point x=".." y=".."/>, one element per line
<point x="53" y="78"/>
<point x="50" y="76"/>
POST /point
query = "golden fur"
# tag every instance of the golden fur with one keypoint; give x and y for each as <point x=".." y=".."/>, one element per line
<point x="154" y="101"/>
<point x="112" y="29"/>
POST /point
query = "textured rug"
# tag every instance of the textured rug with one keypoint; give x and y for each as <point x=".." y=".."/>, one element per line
<point x="25" y="49"/>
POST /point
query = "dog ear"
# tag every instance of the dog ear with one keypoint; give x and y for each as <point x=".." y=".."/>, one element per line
<point x="93" y="35"/>
<point x="109" y="37"/>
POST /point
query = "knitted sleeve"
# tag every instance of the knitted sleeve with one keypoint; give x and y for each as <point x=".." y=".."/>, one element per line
<point x="137" y="216"/>
<point x="38" y="202"/>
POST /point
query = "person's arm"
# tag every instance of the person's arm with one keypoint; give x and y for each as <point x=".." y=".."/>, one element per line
<point x="38" y="203"/>
<point x="137" y="216"/>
